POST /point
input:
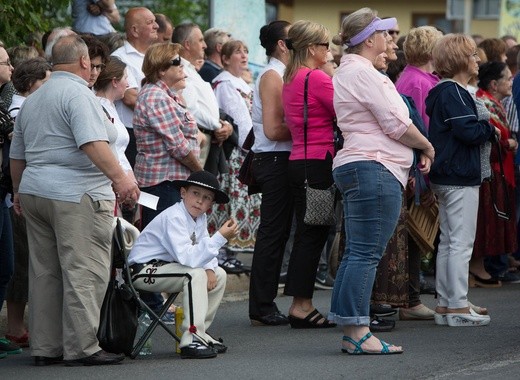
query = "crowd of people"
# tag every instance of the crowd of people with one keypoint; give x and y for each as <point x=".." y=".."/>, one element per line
<point x="95" y="118"/>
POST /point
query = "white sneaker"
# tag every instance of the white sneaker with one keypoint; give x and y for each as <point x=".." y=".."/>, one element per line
<point x="440" y="319"/>
<point x="467" y="320"/>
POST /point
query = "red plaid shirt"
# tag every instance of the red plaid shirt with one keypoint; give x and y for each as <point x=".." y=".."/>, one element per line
<point x="165" y="132"/>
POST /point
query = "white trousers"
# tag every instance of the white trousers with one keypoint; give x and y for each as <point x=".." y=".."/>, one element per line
<point x="204" y="304"/>
<point x="458" y="209"/>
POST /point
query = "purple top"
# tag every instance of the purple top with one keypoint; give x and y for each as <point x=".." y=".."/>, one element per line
<point x="320" y="118"/>
<point x="417" y="83"/>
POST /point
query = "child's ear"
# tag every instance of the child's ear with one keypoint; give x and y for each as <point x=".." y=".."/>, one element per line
<point x="183" y="192"/>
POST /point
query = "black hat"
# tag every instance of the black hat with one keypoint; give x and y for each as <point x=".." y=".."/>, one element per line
<point x="206" y="180"/>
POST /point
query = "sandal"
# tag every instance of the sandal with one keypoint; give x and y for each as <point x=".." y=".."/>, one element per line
<point x="359" y="351"/>
<point x="310" y="321"/>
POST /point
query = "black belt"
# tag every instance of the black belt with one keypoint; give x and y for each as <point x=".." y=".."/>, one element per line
<point x="136" y="268"/>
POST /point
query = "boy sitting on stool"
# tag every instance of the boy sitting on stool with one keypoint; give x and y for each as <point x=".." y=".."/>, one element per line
<point x="177" y="242"/>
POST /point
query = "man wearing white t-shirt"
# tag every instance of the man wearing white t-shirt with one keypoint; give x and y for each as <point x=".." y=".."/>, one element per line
<point x="141" y="32"/>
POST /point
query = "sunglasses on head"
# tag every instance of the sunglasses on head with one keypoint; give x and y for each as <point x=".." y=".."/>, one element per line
<point x="392" y="32"/>
<point x="176" y="61"/>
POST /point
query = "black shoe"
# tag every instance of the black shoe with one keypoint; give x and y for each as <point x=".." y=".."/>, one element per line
<point x="509" y="278"/>
<point x="41" y="361"/>
<point x="381" y="325"/>
<point x="427" y="287"/>
<point x="232" y="266"/>
<point x="99" y="358"/>
<point x="273" y="319"/>
<point x="380" y="310"/>
<point x="197" y="350"/>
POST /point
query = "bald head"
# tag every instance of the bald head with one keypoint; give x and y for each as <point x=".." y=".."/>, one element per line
<point x="141" y="28"/>
<point x="70" y="53"/>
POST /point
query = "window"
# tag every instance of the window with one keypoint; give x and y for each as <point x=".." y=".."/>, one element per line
<point x="455" y="10"/>
<point x="438" y="20"/>
<point x="486" y="9"/>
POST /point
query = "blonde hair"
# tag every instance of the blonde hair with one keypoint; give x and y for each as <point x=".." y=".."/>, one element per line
<point x="300" y="36"/>
<point x="451" y="54"/>
<point x="158" y="58"/>
<point x="352" y="25"/>
<point x="419" y="44"/>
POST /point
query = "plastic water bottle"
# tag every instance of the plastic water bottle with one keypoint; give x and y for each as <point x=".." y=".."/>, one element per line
<point x="144" y="322"/>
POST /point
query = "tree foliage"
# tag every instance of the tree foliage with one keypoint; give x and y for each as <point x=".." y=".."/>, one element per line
<point x="21" y="18"/>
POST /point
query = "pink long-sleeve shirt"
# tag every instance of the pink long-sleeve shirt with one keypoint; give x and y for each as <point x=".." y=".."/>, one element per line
<point x="372" y="117"/>
<point x="320" y="135"/>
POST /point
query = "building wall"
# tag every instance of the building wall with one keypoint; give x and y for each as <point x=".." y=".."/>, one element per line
<point x="328" y="12"/>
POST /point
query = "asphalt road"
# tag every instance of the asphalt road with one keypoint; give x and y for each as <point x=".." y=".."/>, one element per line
<point x="431" y="352"/>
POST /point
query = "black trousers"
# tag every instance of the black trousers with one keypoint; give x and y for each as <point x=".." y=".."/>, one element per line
<point x="308" y="240"/>
<point x="270" y="171"/>
<point x="131" y="149"/>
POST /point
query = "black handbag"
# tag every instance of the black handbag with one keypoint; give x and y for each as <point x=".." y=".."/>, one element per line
<point x="119" y="312"/>
<point x="245" y="174"/>
<point x="319" y="203"/>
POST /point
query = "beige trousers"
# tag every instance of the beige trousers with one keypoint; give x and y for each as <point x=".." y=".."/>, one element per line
<point x="69" y="265"/>
<point x="204" y="303"/>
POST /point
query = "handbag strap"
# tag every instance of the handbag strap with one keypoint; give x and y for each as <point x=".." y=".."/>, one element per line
<point x="305" y="115"/>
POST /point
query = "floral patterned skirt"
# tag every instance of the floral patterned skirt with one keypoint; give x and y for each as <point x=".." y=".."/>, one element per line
<point x="244" y="208"/>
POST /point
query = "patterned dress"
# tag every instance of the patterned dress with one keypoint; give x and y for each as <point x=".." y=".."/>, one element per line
<point x="495" y="235"/>
<point x="235" y="97"/>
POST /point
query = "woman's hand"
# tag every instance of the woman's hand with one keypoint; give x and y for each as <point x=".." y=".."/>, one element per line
<point x="212" y="279"/>
<point x="513" y="144"/>
<point x="425" y="163"/>
<point x="429" y="152"/>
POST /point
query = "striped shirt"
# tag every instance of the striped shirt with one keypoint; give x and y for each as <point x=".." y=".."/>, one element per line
<point x="165" y="132"/>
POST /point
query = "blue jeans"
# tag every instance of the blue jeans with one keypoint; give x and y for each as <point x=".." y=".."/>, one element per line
<point x="372" y="204"/>
<point x="6" y="250"/>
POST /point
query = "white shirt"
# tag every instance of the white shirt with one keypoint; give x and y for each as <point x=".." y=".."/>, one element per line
<point x="16" y="103"/>
<point x="122" y="134"/>
<point x="262" y="143"/>
<point x="84" y="22"/>
<point x="134" y="60"/>
<point x="200" y="99"/>
<point x="234" y="98"/>
<point x="174" y="236"/>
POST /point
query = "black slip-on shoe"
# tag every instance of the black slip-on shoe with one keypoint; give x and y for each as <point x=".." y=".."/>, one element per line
<point x="197" y="350"/>
<point x="41" y="361"/>
<point x="99" y="358"/>
<point x="273" y="319"/>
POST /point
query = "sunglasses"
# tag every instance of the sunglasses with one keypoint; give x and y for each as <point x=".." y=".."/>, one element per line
<point x="326" y="44"/>
<point x="392" y="32"/>
<point x="176" y="61"/>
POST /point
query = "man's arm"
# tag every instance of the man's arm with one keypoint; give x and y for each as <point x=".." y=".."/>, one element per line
<point x="100" y="154"/>
<point x="109" y="9"/>
<point x="130" y="98"/>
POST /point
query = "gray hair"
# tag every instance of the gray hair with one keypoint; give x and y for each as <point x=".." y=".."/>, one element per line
<point x="182" y="32"/>
<point x="55" y="35"/>
<point x="68" y="49"/>
<point x="213" y="37"/>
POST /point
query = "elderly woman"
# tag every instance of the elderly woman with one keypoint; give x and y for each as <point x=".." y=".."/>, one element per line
<point x="496" y="235"/>
<point x="166" y="133"/>
<point x="310" y="160"/>
<point x="417" y="78"/>
<point x="234" y="97"/>
<point x="370" y="171"/>
<point x="270" y="169"/>
<point x="456" y="134"/>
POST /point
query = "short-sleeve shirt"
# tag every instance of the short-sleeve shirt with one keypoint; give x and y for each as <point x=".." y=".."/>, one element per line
<point x="52" y="125"/>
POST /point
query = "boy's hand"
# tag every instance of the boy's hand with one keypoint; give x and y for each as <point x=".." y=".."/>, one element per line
<point x="229" y="229"/>
<point x="212" y="279"/>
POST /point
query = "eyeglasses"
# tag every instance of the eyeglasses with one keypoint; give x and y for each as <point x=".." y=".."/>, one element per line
<point x="326" y="44"/>
<point x="99" y="67"/>
<point x="6" y="63"/>
<point x="176" y="61"/>
<point x="392" y="32"/>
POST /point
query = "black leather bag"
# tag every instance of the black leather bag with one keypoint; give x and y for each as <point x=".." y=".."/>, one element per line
<point x="119" y="312"/>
